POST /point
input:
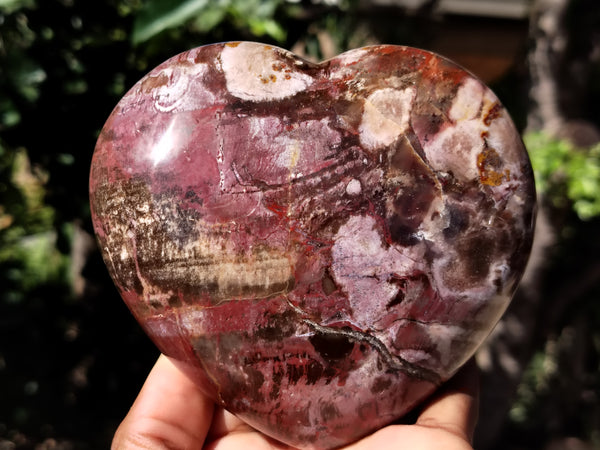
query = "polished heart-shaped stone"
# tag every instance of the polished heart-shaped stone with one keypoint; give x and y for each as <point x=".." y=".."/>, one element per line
<point x="319" y="246"/>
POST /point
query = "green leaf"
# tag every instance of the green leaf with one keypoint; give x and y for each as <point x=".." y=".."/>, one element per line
<point x="267" y="27"/>
<point x="9" y="6"/>
<point x="257" y="9"/>
<point x="159" y="15"/>
<point x="258" y="17"/>
<point x="210" y="18"/>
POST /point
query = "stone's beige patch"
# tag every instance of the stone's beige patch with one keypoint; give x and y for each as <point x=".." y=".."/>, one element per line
<point x="504" y="137"/>
<point x="259" y="275"/>
<point x="467" y="103"/>
<point x="385" y="117"/>
<point x="254" y="72"/>
<point x="353" y="187"/>
<point x="456" y="148"/>
<point x="212" y="263"/>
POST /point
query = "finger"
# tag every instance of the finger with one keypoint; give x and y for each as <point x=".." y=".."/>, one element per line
<point x="169" y="413"/>
<point x="224" y="423"/>
<point x="455" y="408"/>
<point x="228" y="432"/>
<point x="411" y="437"/>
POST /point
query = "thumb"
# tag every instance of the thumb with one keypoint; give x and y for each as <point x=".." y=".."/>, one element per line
<point x="170" y="412"/>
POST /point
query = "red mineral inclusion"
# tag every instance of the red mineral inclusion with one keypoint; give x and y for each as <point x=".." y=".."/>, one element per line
<point x="320" y="246"/>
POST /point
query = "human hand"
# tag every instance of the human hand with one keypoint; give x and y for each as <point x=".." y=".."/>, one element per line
<point x="171" y="413"/>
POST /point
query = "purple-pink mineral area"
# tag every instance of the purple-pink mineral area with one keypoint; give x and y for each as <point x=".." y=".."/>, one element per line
<point x="320" y="246"/>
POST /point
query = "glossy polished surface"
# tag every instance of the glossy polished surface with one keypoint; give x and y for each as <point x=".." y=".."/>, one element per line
<point x="319" y="245"/>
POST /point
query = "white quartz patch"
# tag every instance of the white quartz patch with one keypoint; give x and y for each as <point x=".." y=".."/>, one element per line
<point x="183" y="90"/>
<point x="363" y="267"/>
<point x="353" y="187"/>
<point x="455" y="149"/>
<point x="467" y="103"/>
<point x="385" y="117"/>
<point x="254" y="72"/>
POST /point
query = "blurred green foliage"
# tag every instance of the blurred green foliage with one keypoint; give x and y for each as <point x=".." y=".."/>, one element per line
<point x="257" y="16"/>
<point x="28" y="252"/>
<point x="562" y="380"/>
<point x="568" y="176"/>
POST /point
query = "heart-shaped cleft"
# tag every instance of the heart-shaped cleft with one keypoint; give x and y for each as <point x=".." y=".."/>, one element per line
<point x="319" y="245"/>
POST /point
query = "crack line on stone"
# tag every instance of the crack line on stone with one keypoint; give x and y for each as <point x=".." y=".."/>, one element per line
<point x="393" y="361"/>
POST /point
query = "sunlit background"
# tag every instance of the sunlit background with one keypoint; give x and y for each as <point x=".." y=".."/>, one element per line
<point x="71" y="356"/>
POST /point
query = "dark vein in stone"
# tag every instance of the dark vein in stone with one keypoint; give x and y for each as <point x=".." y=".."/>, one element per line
<point x="394" y="362"/>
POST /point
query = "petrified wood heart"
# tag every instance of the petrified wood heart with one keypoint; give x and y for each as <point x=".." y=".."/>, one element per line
<point x="319" y="245"/>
